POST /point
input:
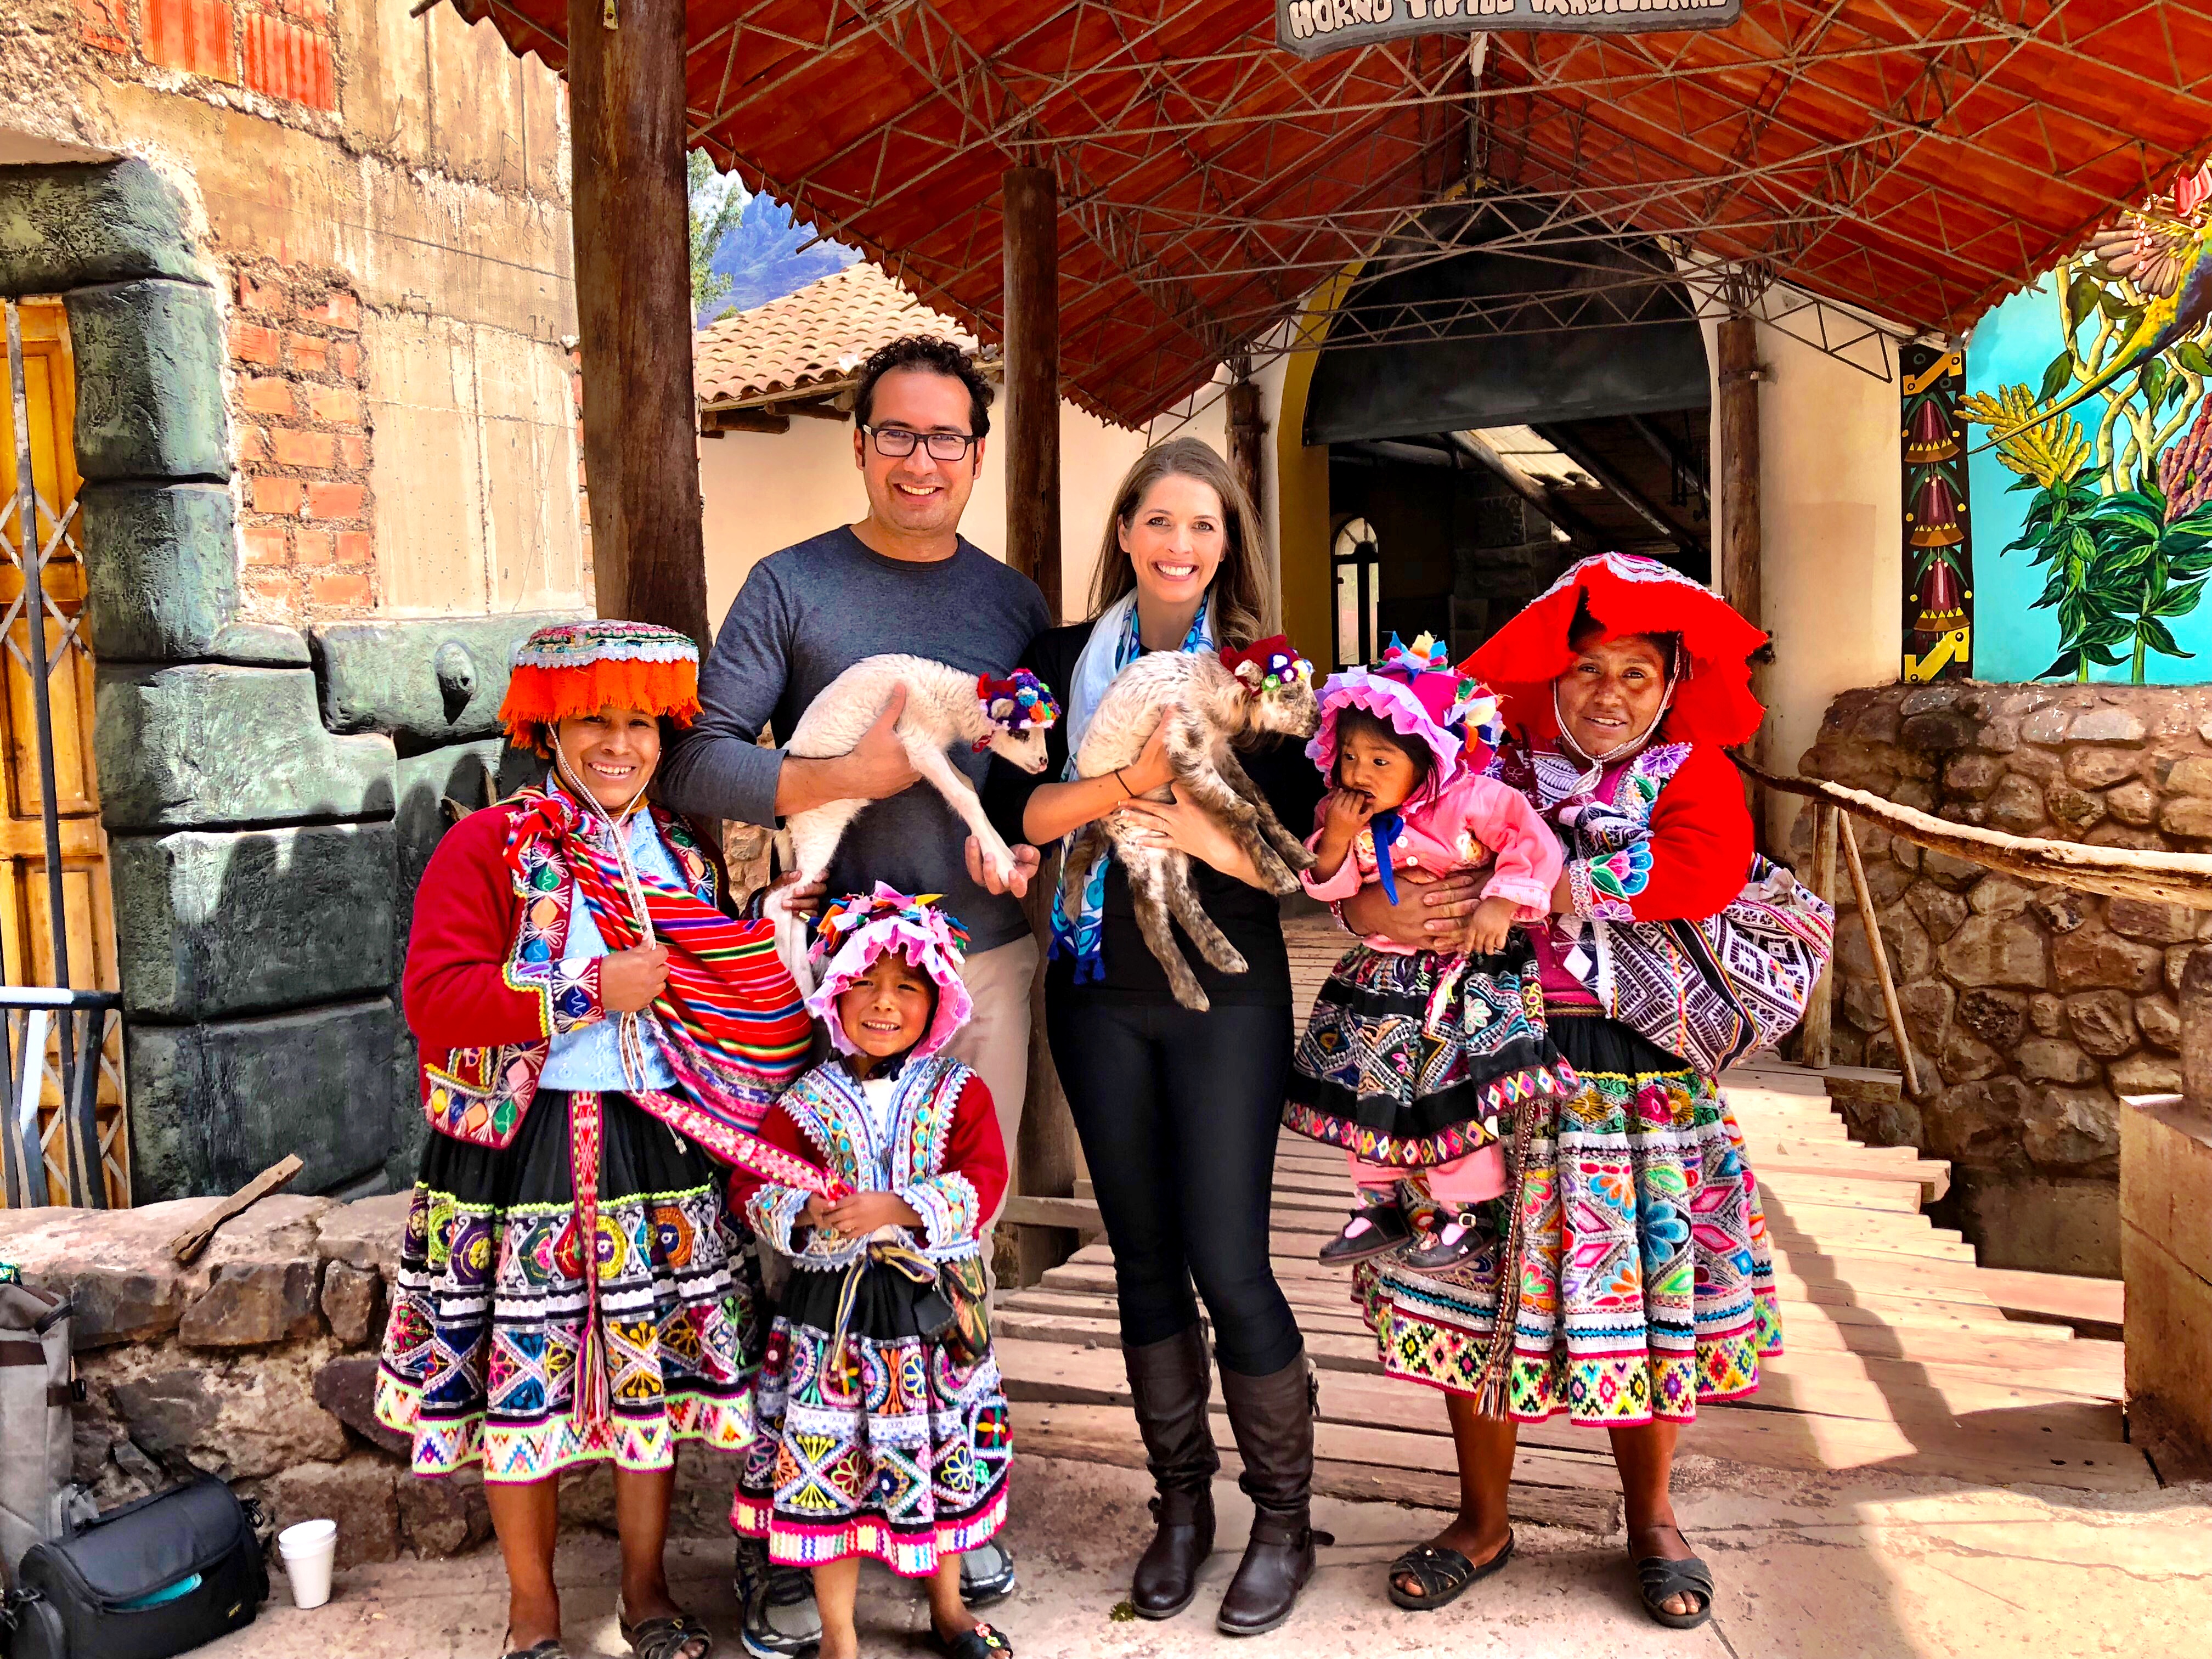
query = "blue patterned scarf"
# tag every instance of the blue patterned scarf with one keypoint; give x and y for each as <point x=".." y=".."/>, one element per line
<point x="1113" y="646"/>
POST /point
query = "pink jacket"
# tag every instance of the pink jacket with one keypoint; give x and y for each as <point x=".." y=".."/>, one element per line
<point x="1473" y="822"/>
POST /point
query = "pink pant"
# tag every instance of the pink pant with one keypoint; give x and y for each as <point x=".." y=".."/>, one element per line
<point x="1469" y="1180"/>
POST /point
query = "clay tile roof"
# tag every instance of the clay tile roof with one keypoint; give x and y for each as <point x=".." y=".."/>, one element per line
<point x="817" y="336"/>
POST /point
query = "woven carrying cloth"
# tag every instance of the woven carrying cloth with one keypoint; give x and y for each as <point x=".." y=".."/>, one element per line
<point x="1627" y="593"/>
<point x="1646" y="1280"/>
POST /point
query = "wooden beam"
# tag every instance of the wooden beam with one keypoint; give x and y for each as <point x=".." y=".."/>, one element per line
<point x="1246" y="431"/>
<point x="1663" y="445"/>
<point x="1616" y="482"/>
<point x="1031" y="420"/>
<point x="1533" y="490"/>
<point x="815" y="409"/>
<point x="714" y="422"/>
<point x="1739" y="565"/>
<point x="631" y="227"/>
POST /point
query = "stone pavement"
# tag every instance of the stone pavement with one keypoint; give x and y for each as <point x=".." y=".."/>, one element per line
<point x="1807" y="1565"/>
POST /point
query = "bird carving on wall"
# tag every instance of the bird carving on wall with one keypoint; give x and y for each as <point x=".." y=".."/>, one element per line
<point x="2159" y="250"/>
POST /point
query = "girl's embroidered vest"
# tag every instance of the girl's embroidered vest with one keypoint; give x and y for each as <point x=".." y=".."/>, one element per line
<point x="831" y="1112"/>
<point x="480" y="1095"/>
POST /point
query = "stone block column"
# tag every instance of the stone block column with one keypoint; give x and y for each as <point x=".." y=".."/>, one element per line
<point x="2166" y="1247"/>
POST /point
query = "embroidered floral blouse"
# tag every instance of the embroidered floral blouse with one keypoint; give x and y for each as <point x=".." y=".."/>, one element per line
<point x="1473" y="822"/>
<point x="1690" y="866"/>
<point x="930" y="1134"/>
<point x="590" y="1056"/>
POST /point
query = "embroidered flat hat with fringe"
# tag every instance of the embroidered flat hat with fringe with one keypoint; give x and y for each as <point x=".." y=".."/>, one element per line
<point x="1710" y="699"/>
<point x="576" y="668"/>
<point x="859" y="927"/>
<point x="1416" y="692"/>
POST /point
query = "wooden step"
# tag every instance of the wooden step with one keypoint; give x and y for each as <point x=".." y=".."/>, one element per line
<point x="2016" y="1446"/>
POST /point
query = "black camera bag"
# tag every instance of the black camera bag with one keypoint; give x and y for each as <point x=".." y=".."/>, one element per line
<point x="100" y="1594"/>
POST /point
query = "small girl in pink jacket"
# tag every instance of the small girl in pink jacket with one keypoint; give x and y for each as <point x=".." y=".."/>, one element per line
<point x="1411" y="1059"/>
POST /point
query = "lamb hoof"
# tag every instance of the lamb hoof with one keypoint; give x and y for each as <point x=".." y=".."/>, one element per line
<point x="1192" y="999"/>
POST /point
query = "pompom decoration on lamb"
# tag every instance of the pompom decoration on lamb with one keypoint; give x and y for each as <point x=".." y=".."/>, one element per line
<point x="946" y="707"/>
<point x="1209" y="702"/>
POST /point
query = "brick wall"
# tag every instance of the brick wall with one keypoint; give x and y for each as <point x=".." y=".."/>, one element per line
<point x="304" y="446"/>
<point x="285" y="50"/>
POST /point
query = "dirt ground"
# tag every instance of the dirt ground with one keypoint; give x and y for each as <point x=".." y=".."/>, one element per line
<point x="1829" y="1565"/>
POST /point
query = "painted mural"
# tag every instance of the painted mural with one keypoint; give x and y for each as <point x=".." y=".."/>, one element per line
<point x="1939" y="554"/>
<point x="2091" y="472"/>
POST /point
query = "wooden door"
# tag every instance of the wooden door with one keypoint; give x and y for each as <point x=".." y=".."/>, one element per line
<point x="27" y="930"/>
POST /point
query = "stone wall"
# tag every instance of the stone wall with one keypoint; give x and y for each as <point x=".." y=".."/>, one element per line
<point x="258" y="1363"/>
<point x="2031" y="1008"/>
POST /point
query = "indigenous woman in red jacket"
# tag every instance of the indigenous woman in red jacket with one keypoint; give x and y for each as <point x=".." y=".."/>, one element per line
<point x="1627" y="1276"/>
<point x="596" y="1036"/>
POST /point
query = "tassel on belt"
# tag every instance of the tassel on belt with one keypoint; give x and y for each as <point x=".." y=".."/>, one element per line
<point x="593" y="1394"/>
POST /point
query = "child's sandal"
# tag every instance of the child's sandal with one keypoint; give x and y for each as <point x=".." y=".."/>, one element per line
<point x="1374" y="1230"/>
<point x="981" y="1642"/>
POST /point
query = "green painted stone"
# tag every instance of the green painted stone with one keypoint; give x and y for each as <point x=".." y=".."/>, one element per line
<point x="66" y="225"/>
<point x="161" y="567"/>
<point x="214" y="1104"/>
<point x="204" y="744"/>
<point x="149" y="361"/>
<point x="425" y="783"/>
<point x="264" y="645"/>
<point x="432" y="682"/>
<point x="211" y="923"/>
<point x="411" y="1130"/>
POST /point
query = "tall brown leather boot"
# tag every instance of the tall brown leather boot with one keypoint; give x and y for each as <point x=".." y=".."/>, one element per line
<point x="1170" y="1386"/>
<point x="1273" y="1418"/>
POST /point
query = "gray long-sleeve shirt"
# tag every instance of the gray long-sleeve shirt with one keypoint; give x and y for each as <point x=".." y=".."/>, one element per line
<point x="804" y="616"/>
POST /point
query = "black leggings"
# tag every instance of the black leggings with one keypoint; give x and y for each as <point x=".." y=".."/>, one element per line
<point x="1178" y="1112"/>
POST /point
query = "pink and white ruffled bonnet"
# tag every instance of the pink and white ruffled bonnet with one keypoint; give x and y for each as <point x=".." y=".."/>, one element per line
<point x="861" y="927"/>
<point x="1414" y="691"/>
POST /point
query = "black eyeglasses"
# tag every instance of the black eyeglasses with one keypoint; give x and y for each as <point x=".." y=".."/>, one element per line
<point x="896" y="442"/>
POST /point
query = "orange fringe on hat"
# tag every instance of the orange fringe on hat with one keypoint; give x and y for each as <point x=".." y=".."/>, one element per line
<point x="539" y="697"/>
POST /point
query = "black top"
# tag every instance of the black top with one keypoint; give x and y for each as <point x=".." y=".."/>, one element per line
<point x="1250" y="917"/>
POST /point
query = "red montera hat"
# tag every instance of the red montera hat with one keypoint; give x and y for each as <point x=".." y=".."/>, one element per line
<point x="1627" y="593"/>
<point x="582" y="667"/>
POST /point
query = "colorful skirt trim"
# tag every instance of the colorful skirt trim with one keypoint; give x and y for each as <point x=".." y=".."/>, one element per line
<point x="488" y="1319"/>
<point x="895" y="1449"/>
<point x="1647" y="1281"/>
<point x="1413" y="1059"/>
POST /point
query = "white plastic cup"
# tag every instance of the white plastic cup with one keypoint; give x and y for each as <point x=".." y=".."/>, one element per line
<point x="310" y="1550"/>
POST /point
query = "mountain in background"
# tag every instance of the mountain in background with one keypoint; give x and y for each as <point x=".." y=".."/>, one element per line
<point x="760" y="255"/>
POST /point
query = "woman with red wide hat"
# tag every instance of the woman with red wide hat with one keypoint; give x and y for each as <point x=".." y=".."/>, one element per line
<point x="1630" y="1276"/>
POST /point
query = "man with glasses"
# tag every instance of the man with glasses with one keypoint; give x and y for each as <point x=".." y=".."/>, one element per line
<point x="901" y="580"/>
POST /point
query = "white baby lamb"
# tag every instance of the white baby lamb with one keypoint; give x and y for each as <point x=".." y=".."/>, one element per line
<point x="944" y="706"/>
<point x="1208" y="702"/>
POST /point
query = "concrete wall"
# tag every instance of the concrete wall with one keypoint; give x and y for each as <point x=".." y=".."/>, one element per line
<point x="1831" y="513"/>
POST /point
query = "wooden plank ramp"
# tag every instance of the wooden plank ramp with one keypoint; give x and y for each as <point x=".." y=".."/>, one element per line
<point x="1900" y="1353"/>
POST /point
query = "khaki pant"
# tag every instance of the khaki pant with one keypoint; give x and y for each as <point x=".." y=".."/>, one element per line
<point x="995" y="1042"/>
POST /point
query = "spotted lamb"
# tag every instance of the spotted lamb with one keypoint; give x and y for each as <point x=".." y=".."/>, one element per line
<point x="1208" y="701"/>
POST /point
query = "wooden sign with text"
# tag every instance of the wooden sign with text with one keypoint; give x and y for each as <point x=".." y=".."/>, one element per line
<point x="1311" y="27"/>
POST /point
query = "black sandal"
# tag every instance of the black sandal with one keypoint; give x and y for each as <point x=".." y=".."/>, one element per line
<point x="1657" y="1579"/>
<point x="1443" y="1573"/>
<point x="667" y="1638"/>
<point x="981" y="1642"/>
<point x="550" y="1647"/>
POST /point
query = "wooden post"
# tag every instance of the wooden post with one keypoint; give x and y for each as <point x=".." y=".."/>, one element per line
<point x="1898" y="1035"/>
<point x="1816" y="1046"/>
<point x="1048" y="1155"/>
<point x="1739" y="546"/>
<point x="1246" y="429"/>
<point x="631" y="225"/>
<point x="1031" y="417"/>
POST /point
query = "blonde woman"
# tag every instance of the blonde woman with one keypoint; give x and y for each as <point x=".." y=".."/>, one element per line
<point x="1178" y="1110"/>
